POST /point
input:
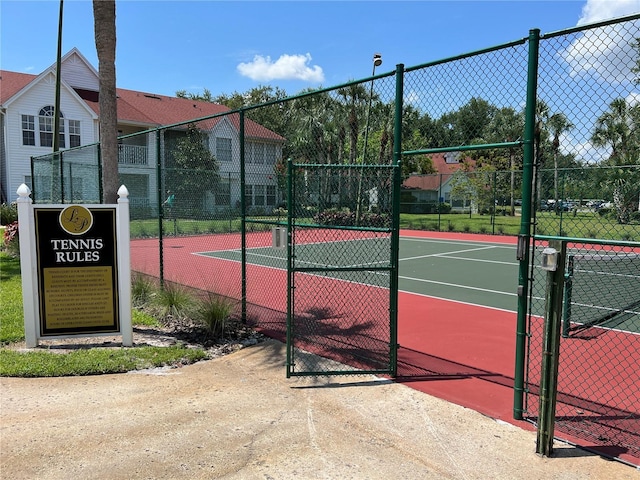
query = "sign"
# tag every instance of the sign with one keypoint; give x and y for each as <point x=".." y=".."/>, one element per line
<point x="77" y="270"/>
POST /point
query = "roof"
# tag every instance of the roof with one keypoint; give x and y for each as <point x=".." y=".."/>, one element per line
<point x="142" y="108"/>
<point x="12" y="82"/>
<point x="444" y="171"/>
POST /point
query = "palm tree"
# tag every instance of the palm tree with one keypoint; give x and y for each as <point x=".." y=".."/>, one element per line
<point x="619" y="128"/>
<point x="559" y="124"/>
<point x="104" y="17"/>
<point x="542" y="117"/>
<point x="508" y="126"/>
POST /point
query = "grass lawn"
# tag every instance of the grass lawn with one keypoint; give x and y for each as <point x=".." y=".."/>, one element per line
<point x="41" y="363"/>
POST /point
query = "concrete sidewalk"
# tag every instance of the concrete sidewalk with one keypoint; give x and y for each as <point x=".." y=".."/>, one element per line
<point x="238" y="417"/>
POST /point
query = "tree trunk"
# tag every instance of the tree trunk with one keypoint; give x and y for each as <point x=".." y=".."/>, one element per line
<point x="104" y="17"/>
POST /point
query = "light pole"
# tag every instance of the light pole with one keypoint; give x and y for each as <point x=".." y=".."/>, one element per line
<point x="377" y="61"/>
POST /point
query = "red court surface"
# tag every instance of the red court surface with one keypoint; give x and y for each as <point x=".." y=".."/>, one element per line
<point x="458" y="352"/>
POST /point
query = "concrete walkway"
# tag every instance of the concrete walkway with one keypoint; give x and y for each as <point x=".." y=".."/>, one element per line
<point x="238" y="417"/>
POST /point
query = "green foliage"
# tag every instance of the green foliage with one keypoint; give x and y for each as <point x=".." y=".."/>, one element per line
<point x="213" y="313"/>
<point x="11" y="313"/>
<point x="8" y="213"/>
<point x="173" y="300"/>
<point x="93" y="361"/>
<point x="192" y="171"/>
<point x="11" y="240"/>
<point x="142" y="290"/>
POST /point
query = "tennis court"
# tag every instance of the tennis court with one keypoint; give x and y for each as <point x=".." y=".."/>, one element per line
<point x="479" y="272"/>
<point x="456" y="311"/>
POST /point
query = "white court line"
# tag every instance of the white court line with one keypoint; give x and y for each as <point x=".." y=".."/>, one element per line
<point x="460" y="242"/>
<point x="446" y="253"/>
<point x="498" y="292"/>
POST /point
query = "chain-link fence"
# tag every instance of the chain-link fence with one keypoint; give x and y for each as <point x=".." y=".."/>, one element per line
<point x="587" y="194"/>
<point x="539" y="137"/>
<point x="341" y="270"/>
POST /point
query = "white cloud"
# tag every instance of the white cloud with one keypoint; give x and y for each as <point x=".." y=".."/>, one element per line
<point x="605" y="53"/>
<point x="599" y="10"/>
<point x="287" y="67"/>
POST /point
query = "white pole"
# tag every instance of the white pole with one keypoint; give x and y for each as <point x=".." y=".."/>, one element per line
<point x="124" y="266"/>
<point x="28" y="266"/>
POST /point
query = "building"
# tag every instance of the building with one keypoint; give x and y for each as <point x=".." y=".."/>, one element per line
<point x="26" y="131"/>
<point x="423" y="193"/>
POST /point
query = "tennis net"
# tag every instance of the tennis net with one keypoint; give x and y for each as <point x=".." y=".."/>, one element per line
<point x="602" y="290"/>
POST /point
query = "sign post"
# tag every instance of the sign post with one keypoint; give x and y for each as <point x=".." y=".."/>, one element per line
<point x="75" y="265"/>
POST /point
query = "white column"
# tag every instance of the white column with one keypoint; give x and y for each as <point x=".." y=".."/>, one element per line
<point x="124" y="266"/>
<point x="28" y="266"/>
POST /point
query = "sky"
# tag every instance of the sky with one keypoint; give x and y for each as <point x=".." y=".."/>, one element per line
<point x="164" y="46"/>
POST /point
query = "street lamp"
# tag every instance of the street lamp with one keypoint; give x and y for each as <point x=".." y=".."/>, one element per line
<point x="377" y="61"/>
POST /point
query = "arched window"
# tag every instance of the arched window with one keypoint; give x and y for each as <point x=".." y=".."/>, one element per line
<point x="45" y="122"/>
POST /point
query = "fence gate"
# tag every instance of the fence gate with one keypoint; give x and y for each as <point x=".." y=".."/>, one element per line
<point x="342" y="271"/>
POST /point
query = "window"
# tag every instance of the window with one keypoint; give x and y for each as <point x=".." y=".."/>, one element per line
<point x="248" y="195"/>
<point x="28" y="130"/>
<point x="258" y="153"/>
<point x="223" y="194"/>
<point x="258" y="195"/>
<point x="74" y="133"/>
<point x="270" y="153"/>
<point x="45" y="122"/>
<point x="223" y="149"/>
<point x="248" y="152"/>
<point x="271" y="195"/>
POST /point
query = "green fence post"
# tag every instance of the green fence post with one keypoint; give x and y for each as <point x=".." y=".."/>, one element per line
<point x="525" y="224"/>
<point x="395" y="215"/>
<point x="243" y="223"/>
<point x="160" y="195"/>
<point x="550" y="351"/>
<point x="290" y="313"/>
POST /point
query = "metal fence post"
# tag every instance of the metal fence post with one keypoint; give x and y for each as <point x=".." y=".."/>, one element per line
<point x="243" y="224"/>
<point x="395" y="215"/>
<point x="551" y="352"/>
<point x="525" y="223"/>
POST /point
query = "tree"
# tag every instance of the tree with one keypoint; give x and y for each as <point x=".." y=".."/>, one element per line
<point x="559" y="124"/>
<point x="104" y="17"/>
<point x="636" y="69"/>
<point x="619" y="129"/>
<point x="192" y="171"/>
<point x="507" y="126"/>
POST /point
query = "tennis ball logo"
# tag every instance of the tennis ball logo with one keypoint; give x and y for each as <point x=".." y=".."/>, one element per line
<point x="76" y="220"/>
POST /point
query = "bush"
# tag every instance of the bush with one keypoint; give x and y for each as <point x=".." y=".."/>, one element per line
<point x="8" y="213"/>
<point x="10" y="239"/>
<point x="444" y="208"/>
<point x="213" y="313"/>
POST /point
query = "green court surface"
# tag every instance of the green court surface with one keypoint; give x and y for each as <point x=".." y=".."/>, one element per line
<point x="479" y="273"/>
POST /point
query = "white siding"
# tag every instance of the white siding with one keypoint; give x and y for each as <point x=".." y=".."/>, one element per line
<point x="30" y="103"/>
<point x="77" y="74"/>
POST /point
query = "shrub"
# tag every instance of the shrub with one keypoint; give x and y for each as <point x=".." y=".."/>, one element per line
<point x="8" y="213"/>
<point x="142" y="290"/>
<point x="213" y="313"/>
<point x="10" y="239"/>
<point x="173" y="300"/>
<point x="444" y="208"/>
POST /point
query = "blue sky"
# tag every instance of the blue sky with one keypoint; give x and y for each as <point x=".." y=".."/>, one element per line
<point x="229" y="46"/>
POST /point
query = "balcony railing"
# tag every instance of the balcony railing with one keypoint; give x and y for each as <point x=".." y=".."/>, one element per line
<point x="132" y="155"/>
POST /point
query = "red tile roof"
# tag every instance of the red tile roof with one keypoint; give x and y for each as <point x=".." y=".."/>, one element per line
<point x="146" y="108"/>
<point x="444" y="171"/>
<point x="11" y="83"/>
